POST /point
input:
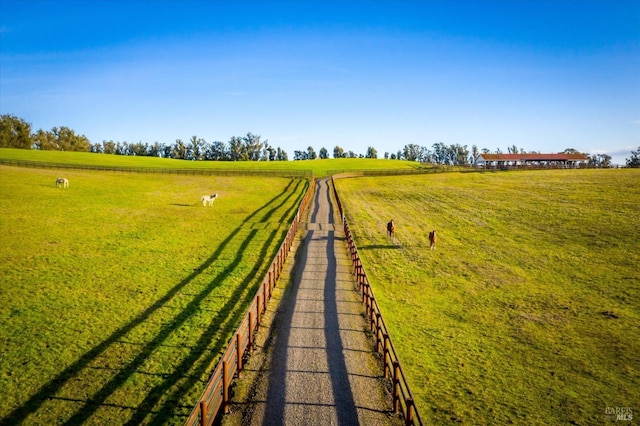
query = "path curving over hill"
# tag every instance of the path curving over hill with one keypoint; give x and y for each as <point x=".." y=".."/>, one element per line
<point x="316" y="364"/>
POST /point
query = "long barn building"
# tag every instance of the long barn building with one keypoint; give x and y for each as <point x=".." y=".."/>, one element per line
<point x="536" y="160"/>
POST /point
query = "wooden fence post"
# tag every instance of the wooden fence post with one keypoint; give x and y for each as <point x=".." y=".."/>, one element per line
<point x="225" y="387"/>
<point x="239" y="353"/>
<point x="386" y="355"/>
<point x="396" y="386"/>
<point x="410" y="407"/>
<point x="258" y="310"/>
<point x="203" y="413"/>
<point x="250" y="331"/>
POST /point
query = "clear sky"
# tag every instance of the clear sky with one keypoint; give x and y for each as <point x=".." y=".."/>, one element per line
<point x="541" y="75"/>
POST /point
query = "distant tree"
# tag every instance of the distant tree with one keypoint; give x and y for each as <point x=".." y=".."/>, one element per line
<point x="96" y="148"/>
<point x="570" y="151"/>
<point x="300" y="155"/>
<point x="440" y="153"/>
<point x="139" y="149"/>
<point x="15" y="132"/>
<point x="269" y="153"/>
<point x="109" y="147"/>
<point x="61" y="139"/>
<point x="411" y="152"/>
<point x="634" y="160"/>
<point x="386" y="155"/>
<point x="167" y="151"/>
<point x="311" y="154"/>
<point x="351" y="154"/>
<point x="393" y="156"/>
<point x="237" y="151"/>
<point x="458" y="155"/>
<point x="512" y="149"/>
<point x="399" y="155"/>
<point x="180" y="150"/>
<point x="324" y="154"/>
<point x="253" y="147"/>
<point x="371" y="153"/>
<point x="426" y="156"/>
<point x="475" y="155"/>
<point x="599" y="160"/>
<point x="155" y="150"/>
<point x="197" y="148"/>
<point x="217" y="151"/>
<point x="338" y="152"/>
<point x="282" y="155"/>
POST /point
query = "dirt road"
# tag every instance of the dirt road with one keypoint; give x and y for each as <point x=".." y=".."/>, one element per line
<point x="316" y="364"/>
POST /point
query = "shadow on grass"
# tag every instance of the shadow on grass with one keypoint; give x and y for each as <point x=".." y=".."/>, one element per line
<point x="230" y="314"/>
<point x="380" y="246"/>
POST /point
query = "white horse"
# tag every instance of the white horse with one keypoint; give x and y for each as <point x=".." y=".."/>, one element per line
<point x="208" y="199"/>
<point x="62" y="182"/>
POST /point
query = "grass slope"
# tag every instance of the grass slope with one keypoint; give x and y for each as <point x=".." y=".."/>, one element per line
<point x="119" y="293"/>
<point x="320" y="168"/>
<point x="528" y="312"/>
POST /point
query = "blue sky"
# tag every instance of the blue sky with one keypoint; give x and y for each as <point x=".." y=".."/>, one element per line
<point x="541" y="75"/>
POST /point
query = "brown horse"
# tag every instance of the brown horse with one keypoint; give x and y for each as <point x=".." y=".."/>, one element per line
<point x="433" y="239"/>
<point x="391" y="229"/>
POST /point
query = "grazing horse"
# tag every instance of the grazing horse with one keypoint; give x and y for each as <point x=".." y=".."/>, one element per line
<point x="208" y="199"/>
<point x="433" y="239"/>
<point x="62" y="183"/>
<point x="391" y="229"/>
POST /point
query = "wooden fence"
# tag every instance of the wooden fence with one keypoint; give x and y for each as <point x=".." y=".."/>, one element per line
<point x="216" y="394"/>
<point x="195" y="171"/>
<point x="403" y="400"/>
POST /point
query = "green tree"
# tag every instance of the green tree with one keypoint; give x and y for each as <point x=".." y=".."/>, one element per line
<point x="109" y="147"/>
<point x="197" y="148"/>
<point x="15" y="132"/>
<point x="45" y="141"/>
<point x="311" y="153"/>
<point x="634" y="160"/>
<point x="371" y="152"/>
<point x="411" y="152"/>
<point x="338" y="152"/>
<point x="252" y="147"/>
<point x="180" y="150"/>
<point x="323" y="153"/>
<point x="237" y="151"/>
<point x="282" y="155"/>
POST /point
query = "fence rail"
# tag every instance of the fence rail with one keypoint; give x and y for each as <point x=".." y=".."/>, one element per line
<point x="403" y="400"/>
<point x="216" y="394"/>
<point x="198" y="172"/>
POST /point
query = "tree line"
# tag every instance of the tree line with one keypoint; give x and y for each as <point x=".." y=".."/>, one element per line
<point x="16" y="133"/>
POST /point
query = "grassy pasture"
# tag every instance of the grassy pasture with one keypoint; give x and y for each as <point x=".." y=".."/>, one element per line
<point x="119" y="293"/>
<point x="528" y="311"/>
<point x="320" y="168"/>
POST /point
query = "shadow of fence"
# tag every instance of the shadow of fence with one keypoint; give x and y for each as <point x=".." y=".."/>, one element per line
<point x="176" y="382"/>
<point x="215" y="397"/>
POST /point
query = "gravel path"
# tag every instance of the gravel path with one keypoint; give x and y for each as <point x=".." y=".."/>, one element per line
<point x="317" y="364"/>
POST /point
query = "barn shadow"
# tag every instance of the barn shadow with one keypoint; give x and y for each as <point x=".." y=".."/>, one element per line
<point x="200" y="356"/>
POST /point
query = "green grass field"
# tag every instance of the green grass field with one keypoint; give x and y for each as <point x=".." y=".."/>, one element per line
<point x="119" y="293"/>
<point x="320" y="168"/>
<point x="528" y="311"/>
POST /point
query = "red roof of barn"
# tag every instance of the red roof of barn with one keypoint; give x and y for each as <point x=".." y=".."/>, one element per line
<point x="534" y="157"/>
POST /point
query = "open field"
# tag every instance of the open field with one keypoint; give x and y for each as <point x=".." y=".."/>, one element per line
<point x="119" y="293"/>
<point x="320" y="168"/>
<point x="528" y="311"/>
